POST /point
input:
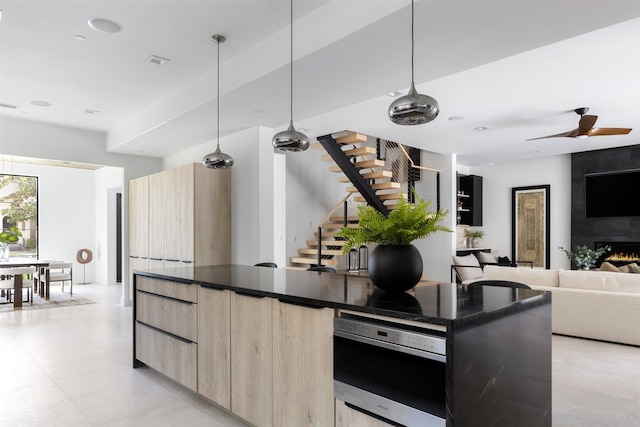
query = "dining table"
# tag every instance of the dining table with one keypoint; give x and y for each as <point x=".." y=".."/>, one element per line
<point x="17" y="279"/>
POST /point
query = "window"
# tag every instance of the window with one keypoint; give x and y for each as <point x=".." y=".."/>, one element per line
<point x="19" y="208"/>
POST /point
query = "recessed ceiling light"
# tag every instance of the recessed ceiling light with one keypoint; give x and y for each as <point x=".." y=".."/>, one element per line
<point x="158" y="60"/>
<point x="481" y="128"/>
<point x="394" y="94"/>
<point x="2" y="104"/>
<point x="303" y="130"/>
<point x="41" y="103"/>
<point x="457" y="118"/>
<point x="104" y="25"/>
<point x="534" y="151"/>
<point x="90" y="111"/>
<point x="79" y="37"/>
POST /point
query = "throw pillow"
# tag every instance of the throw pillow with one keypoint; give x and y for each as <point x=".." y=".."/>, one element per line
<point x="634" y="268"/>
<point x="471" y="271"/>
<point x="487" y="258"/>
<point x="607" y="266"/>
<point x="504" y="261"/>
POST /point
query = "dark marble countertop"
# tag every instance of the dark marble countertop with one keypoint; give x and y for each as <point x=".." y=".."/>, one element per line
<point x="438" y="303"/>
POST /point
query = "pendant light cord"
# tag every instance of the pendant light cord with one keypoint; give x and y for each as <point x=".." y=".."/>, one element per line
<point x="411" y="41"/>
<point x="218" y="100"/>
<point x="291" y="65"/>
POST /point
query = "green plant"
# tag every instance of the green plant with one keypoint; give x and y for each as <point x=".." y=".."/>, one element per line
<point x="584" y="257"/>
<point x="406" y="223"/>
<point x="10" y="236"/>
<point x="474" y="233"/>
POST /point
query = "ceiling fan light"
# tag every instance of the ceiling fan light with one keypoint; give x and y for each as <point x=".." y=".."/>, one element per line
<point x="217" y="160"/>
<point x="413" y="109"/>
<point x="290" y="140"/>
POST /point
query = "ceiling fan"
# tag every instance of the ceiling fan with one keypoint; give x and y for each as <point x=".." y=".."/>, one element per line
<point x="585" y="128"/>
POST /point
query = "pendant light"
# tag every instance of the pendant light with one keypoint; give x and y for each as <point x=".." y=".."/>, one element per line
<point x="218" y="159"/>
<point x="413" y="108"/>
<point x="290" y="139"/>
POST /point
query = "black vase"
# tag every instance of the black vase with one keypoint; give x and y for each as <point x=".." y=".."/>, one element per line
<point x="395" y="268"/>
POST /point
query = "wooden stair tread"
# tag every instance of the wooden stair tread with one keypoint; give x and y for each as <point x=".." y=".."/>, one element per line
<point x="360" y="151"/>
<point x="333" y="226"/>
<point x="379" y="186"/>
<point x="326" y="242"/>
<point x="326" y="234"/>
<point x="340" y="218"/>
<point x="368" y="175"/>
<point x="314" y="251"/>
<point x="310" y="260"/>
<point x="352" y="138"/>
<point x="316" y="146"/>
<point x="390" y="196"/>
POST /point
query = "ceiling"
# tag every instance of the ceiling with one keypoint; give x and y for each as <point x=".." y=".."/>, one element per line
<point x="518" y="68"/>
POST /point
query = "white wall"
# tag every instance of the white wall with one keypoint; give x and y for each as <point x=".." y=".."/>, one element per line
<point x="253" y="192"/>
<point x="498" y="180"/>
<point x="108" y="182"/>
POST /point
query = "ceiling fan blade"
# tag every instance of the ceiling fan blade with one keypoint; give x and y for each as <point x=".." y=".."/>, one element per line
<point x="586" y="123"/>
<point x="608" y="131"/>
<point x="570" y="134"/>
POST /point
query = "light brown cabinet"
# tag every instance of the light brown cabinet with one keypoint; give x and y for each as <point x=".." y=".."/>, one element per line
<point x="166" y="328"/>
<point x="302" y="365"/>
<point x="180" y="217"/>
<point x="214" y="346"/>
<point x="252" y="359"/>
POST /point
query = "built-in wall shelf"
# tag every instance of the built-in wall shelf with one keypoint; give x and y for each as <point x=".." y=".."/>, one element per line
<point x="469" y="200"/>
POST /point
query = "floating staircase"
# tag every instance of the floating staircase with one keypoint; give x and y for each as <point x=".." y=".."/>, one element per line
<point x="371" y="183"/>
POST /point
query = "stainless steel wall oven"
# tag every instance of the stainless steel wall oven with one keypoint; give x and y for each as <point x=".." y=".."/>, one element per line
<point x="391" y="370"/>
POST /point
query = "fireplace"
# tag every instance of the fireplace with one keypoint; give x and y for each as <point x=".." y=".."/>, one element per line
<point x="621" y="253"/>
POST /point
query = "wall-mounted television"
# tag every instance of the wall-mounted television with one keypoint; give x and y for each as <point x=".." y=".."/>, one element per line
<point x="612" y="194"/>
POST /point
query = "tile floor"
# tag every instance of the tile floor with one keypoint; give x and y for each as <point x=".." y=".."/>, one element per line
<point x="71" y="366"/>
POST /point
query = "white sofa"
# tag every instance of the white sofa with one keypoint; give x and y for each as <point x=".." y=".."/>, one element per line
<point x="595" y="304"/>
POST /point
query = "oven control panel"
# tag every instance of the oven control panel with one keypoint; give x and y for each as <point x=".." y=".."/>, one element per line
<point x="387" y="332"/>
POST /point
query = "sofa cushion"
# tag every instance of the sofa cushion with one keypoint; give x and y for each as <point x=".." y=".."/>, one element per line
<point x="633" y="268"/>
<point x="528" y="276"/>
<point x="472" y="271"/>
<point x="607" y="266"/>
<point x="599" y="281"/>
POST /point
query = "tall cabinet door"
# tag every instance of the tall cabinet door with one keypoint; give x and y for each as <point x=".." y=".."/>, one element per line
<point x="185" y="215"/>
<point x="212" y="209"/>
<point x="138" y="226"/>
<point x="170" y="188"/>
<point x="156" y="218"/>
<point x="252" y="359"/>
<point x="214" y="345"/>
<point x="302" y="365"/>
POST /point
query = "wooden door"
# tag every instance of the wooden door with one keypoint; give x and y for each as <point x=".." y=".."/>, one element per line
<point x="252" y="359"/>
<point x="302" y="366"/>
<point x="212" y="211"/>
<point x="214" y="346"/>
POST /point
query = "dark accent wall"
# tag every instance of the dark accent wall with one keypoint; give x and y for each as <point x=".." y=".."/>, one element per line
<point x="587" y="231"/>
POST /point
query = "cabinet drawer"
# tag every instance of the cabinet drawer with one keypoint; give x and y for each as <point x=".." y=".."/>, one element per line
<point x="167" y="288"/>
<point x="174" y="316"/>
<point x="175" y="358"/>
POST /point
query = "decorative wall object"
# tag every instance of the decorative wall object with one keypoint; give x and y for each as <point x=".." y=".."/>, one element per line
<point x="531" y="225"/>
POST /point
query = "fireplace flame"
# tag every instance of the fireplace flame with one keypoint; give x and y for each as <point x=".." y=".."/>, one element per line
<point x="619" y="256"/>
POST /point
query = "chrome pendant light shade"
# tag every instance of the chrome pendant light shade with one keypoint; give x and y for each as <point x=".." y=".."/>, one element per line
<point x="290" y="139"/>
<point x="218" y="159"/>
<point x="413" y="108"/>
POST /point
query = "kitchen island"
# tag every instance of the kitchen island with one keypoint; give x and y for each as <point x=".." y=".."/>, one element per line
<point x="259" y="342"/>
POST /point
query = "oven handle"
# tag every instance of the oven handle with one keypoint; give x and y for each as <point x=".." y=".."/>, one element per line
<point x="415" y="352"/>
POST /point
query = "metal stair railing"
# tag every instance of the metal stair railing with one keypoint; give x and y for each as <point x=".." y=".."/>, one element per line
<point x="348" y="207"/>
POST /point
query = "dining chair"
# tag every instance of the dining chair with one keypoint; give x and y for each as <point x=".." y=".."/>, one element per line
<point x="7" y="281"/>
<point x="56" y="271"/>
